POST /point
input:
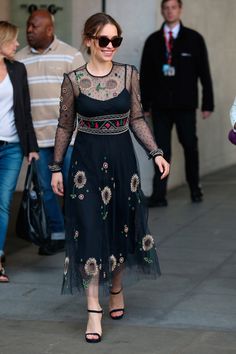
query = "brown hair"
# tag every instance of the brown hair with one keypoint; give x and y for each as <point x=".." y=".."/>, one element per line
<point x="8" y="32"/>
<point x="95" y="23"/>
<point x="180" y="2"/>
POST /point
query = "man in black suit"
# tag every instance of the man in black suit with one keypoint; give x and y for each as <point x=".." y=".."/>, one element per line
<point x="173" y="60"/>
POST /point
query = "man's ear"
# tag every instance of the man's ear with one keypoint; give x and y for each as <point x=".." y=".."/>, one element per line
<point x="50" y="31"/>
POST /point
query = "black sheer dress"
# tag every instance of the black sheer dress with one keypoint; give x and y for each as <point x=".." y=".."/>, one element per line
<point x="106" y="221"/>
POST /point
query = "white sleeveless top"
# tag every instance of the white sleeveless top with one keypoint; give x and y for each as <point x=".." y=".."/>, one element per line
<point x="8" y="130"/>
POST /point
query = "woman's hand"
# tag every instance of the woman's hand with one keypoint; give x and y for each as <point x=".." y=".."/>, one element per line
<point x="32" y="155"/>
<point x="57" y="183"/>
<point x="163" y="165"/>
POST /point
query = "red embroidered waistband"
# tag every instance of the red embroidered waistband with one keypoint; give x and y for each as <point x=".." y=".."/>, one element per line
<point x="104" y="125"/>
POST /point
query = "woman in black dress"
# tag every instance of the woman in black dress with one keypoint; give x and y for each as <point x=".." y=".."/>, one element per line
<point x="106" y="221"/>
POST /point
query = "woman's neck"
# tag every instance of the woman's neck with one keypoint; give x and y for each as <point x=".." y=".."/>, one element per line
<point x="99" y="69"/>
<point x="2" y="63"/>
<point x="3" y="69"/>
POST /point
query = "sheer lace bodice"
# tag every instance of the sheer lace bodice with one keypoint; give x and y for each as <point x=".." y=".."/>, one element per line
<point x="80" y="86"/>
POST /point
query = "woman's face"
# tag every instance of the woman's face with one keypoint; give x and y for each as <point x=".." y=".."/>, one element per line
<point x="103" y="54"/>
<point x="8" y="49"/>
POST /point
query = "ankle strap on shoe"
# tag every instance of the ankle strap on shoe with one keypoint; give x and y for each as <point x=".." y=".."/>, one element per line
<point x="116" y="292"/>
<point x="95" y="311"/>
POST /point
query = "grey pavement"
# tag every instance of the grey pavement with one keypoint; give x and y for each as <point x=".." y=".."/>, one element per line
<point x="190" y="309"/>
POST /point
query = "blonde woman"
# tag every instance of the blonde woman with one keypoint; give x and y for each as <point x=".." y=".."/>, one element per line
<point x="17" y="137"/>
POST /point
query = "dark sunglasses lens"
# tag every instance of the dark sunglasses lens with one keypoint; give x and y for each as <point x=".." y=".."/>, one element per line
<point x="103" y="41"/>
<point x="116" y="42"/>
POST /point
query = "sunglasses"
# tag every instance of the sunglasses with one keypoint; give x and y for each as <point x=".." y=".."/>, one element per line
<point x="103" y="41"/>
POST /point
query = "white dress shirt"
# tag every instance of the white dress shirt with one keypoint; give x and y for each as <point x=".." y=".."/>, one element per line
<point x="174" y="30"/>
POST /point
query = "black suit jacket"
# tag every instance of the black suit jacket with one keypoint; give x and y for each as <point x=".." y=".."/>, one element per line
<point x="21" y="106"/>
<point x="190" y="60"/>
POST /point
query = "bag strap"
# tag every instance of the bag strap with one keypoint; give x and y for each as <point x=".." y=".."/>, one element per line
<point x="31" y="176"/>
<point x="28" y="178"/>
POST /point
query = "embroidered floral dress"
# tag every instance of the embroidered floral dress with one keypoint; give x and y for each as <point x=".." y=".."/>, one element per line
<point x="106" y="221"/>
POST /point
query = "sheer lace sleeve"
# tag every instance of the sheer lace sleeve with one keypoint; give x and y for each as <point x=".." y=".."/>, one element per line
<point x="66" y="122"/>
<point x="138" y="125"/>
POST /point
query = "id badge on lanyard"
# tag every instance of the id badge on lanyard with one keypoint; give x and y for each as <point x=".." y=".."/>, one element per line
<point x="168" y="69"/>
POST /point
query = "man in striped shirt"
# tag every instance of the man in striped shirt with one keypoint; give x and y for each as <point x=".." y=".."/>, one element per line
<point x="46" y="59"/>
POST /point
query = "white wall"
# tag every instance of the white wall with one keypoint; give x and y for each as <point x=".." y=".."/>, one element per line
<point x="81" y="10"/>
<point x="4" y="7"/>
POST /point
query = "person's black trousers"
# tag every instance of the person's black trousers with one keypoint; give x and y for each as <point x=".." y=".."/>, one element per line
<point x="185" y="122"/>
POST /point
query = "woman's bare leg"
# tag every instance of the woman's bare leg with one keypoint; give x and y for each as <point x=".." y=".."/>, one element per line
<point x="94" y="319"/>
<point x="117" y="301"/>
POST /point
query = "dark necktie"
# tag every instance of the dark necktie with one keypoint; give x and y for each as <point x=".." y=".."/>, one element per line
<point x="171" y="39"/>
<point x="170" y="46"/>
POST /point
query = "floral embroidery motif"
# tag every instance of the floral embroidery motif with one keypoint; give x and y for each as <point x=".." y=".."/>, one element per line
<point x="126" y="229"/>
<point x="80" y="179"/>
<point x="111" y="84"/>
<point x="79" y="75"/>
<point x="64" y="90"/>
<point x="148" y="260"/>
<point x="148" y="242"/>
<point x="106" y="195"/>
<point x="91" y="267"/>
<point x="81" y="196"/>
<point x="105" y="165"/>
<point x="121" y="260"/>
<point x="66" y="265"/>
<point x="76" y="235"/>
<point x="85" y="284"/>
<point x="113" y="262"/>
<point x="99" y="87"/>
<point x="85" y="83"/>
<point x="64" y="107"/>
<point x="134" y="183"/>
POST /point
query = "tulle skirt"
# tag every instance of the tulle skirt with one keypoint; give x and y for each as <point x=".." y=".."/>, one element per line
<point x="105" y="217"/>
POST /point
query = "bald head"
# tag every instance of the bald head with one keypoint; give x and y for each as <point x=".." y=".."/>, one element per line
<point x="40" y="30"/>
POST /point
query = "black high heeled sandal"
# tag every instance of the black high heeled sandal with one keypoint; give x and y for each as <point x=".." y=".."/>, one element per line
<point x="99" y="336"/>
<point x="117" y="310"/>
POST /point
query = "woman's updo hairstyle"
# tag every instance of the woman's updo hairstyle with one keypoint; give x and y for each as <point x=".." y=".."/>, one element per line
<point x="95" y="24"/>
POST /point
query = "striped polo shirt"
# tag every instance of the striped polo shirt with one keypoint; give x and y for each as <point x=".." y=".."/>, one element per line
<point x="45" y="74"/>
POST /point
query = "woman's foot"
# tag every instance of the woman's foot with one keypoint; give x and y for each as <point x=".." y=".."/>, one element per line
<point x="116" y="304"/>
<point x="94" y="328"/>
<point x="3" y="277"/>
